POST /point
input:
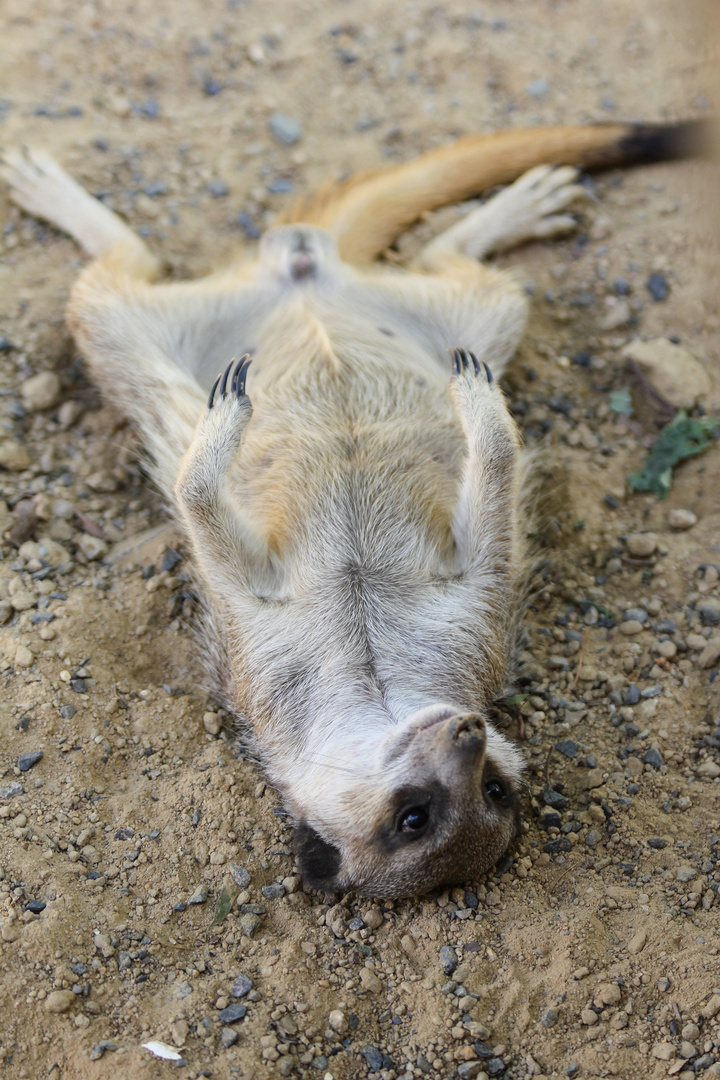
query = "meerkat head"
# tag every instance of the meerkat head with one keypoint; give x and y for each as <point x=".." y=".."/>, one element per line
<point x="435" y="802"/>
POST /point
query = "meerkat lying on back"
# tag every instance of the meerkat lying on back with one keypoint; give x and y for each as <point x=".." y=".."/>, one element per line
<point x="351" y="495"/>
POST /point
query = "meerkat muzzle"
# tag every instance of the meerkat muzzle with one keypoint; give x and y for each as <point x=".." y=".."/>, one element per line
<point x="468" y="732"/>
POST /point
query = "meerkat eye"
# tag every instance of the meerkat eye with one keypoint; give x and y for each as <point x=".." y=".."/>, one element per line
<point x="496" y="790"/>
<point x="414" y="820"/>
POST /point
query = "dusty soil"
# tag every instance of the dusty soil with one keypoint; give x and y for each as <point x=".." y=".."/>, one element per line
<point x="596" y="957"/>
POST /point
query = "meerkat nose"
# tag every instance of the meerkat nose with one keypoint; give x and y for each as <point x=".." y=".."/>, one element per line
<point x="468" y="731"/>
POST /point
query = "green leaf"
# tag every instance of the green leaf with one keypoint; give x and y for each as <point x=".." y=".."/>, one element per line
<point x="682" y="438"/>
<point x="222" y="907"/>
<point x="515" y="699"/>
<point x="621" y="402"/>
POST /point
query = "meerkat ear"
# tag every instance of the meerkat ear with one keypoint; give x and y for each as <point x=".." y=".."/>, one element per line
<point x="319" y="861"/>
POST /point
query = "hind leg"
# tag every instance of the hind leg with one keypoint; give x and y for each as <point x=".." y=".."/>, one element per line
<point x="531" y="208"/>
<point x="42" y="188"/>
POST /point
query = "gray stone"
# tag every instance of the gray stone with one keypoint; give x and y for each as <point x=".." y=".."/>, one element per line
<point x="448" y="959"/>
<point x="11" y="790"/>
<point x="653" y="757"/>
<point x="228" y="1037"/>
<point x="537" y="88"/>
<point x="709" y="611"/>
<point x="242" y="986"/>
<point x="373" y="1057"/>
<point x="285" y="129"/>
<point x="232" y="1013"/>
<point x="632" y="694"/>
<point x="249" y="924"/>
<point x="554" y="799"/>
<point x="241" y="877"/>
<point x="556" y="847"/>
<point x="26" y="761"/>
<point x="99" y="1049"/>
<point x="273" y="892"/>
<point x="200" y="895"/>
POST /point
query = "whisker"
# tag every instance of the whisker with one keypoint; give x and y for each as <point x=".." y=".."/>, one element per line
<point x="328" y="765"/>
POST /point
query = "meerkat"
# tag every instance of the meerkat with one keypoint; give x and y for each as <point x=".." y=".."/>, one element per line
<point x="351" y="483"/>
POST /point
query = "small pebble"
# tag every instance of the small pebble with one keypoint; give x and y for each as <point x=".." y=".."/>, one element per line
<point x="374" y="918"/>
<point x="26" y="761"/>
<point x="232" y="1013"/>
<point x="240" y="875"/>
<point x="228" y="1037"/>
<point x="59" y="1001"/>
<point x="709" y="611"/>
<point x="657" y="286"/>
<point x="653" y="757"/>
<point x="250" y="924"/>
<point x="41" y="391"/>
<point x="100" y="1048"/>
<point x="273" y="892"/>
<point x="537" y="88"/>
<point x="710" y="654"/>
<point x="369" y="981"/>
<point x="554" y="799"/>
<point x="14" y="456"/>
<point x="679" y="520"/>
<point x="285" y="129"/>
<point x="448" y="959"/>
<point x="685" y="873"/>
<point x="200" y="895"/>
<point x="212" y="722"/>
<point x="243" y="985"/>
<point x="637" y="942"/>
<point x="641" y="545"/>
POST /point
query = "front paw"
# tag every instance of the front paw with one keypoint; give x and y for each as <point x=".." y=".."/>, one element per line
<point x="480" y="403"/>
<point x="466" y="363"/>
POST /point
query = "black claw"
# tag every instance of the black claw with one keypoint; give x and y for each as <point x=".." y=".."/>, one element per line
<point x="242" y="376"/>
<point x="474" y="359"/>
<point x="212" y="392"/>
<point x="489" y="373"/>
<point x="223" y="384"/>
<point x="234" y="378"/>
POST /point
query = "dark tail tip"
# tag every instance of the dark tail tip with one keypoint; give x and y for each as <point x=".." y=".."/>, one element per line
<point x="647" y="143"/>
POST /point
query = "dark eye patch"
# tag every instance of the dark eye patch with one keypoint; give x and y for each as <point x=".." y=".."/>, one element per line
<point x="498" y="792"/>
<point x="319" y="860"/>
<point x="414" y="812"/>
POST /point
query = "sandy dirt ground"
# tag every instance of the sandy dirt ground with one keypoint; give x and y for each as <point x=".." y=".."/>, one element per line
<point x="593" y="950"/>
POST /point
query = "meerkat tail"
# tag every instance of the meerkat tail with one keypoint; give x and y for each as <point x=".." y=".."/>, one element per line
<point x="366" y="212"/>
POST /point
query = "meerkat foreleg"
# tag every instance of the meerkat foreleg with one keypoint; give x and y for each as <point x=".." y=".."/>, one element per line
<point x="532" y="208"/>
<point x="484" y="521"/>
<point x="233" y="561"/>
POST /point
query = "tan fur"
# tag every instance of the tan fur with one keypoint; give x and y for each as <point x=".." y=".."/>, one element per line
<point x="369" y="210"/>
<point x="354" y="517"/>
